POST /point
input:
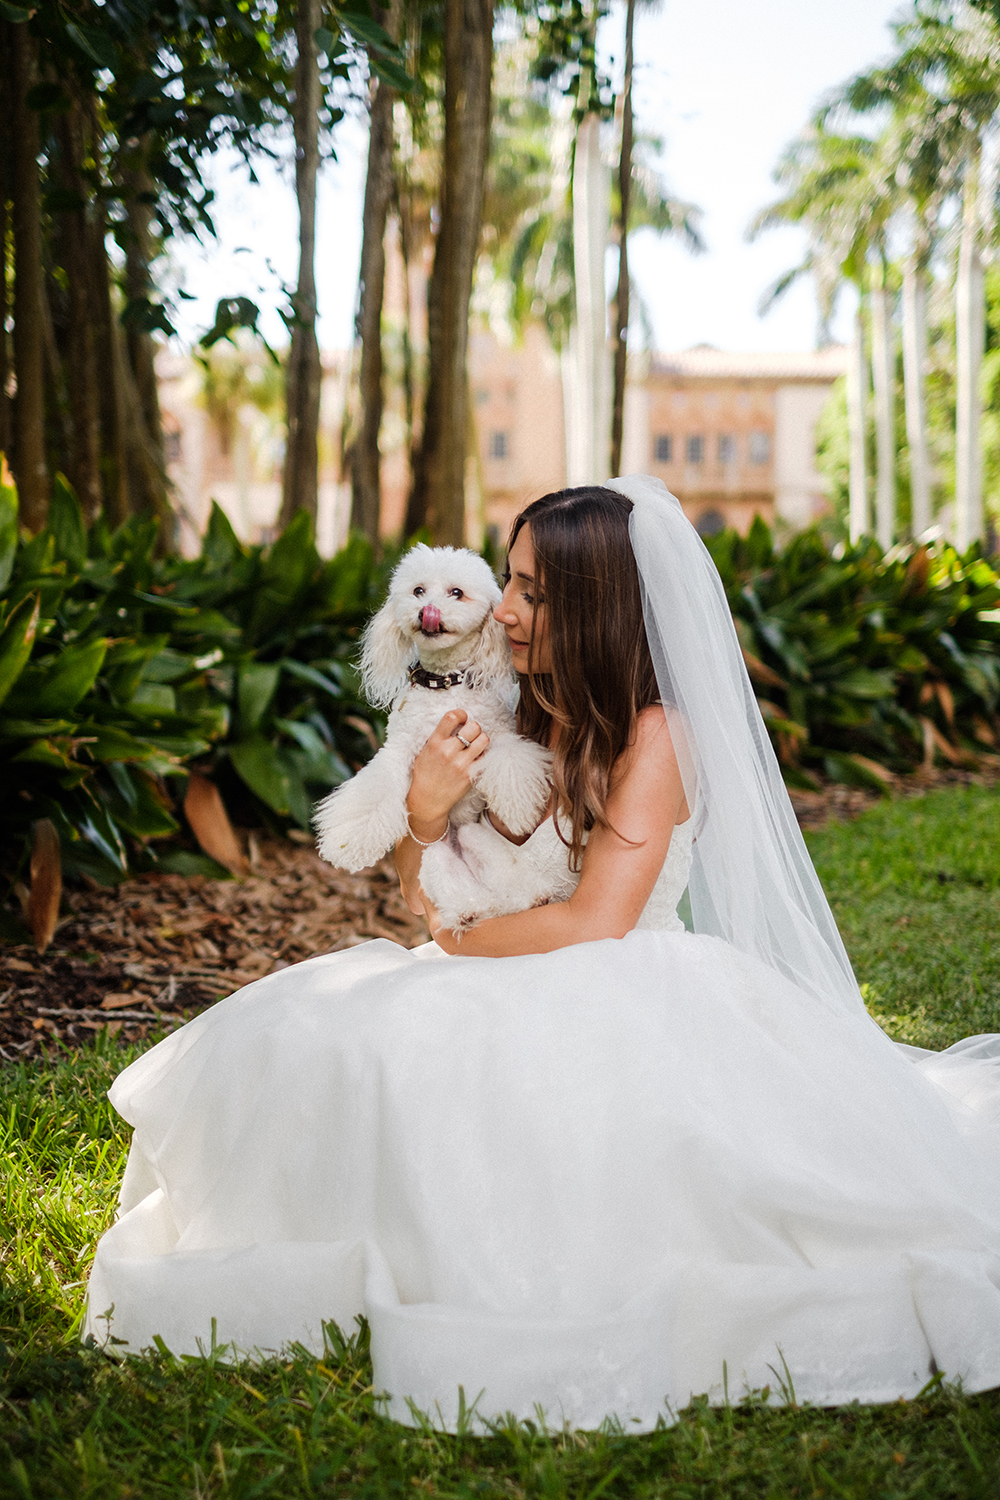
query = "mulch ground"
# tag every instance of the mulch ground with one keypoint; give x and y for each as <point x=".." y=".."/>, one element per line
<point x="141" y="959"/>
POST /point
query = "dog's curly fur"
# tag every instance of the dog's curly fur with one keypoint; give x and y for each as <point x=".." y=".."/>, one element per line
<point x="364" y="818"/>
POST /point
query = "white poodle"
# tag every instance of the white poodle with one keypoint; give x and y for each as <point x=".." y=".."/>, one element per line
<point x="435" y="646"/>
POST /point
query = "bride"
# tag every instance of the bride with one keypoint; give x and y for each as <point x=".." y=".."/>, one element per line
<point x="580" y="1158"/>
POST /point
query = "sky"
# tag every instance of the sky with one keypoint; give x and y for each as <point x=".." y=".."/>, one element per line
<point x="727" y="84"/>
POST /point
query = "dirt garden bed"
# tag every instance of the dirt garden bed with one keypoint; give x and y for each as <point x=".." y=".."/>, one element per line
<point x="141" y="959"/>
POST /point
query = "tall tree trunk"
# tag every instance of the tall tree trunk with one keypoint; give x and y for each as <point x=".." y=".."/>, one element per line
<point x="589" y="448"/>
<point x="914" y="365"/>
<point x="149" y="486"/>
<point x="622" y="294"/>
<point x="439" y="478"/>
<point x="59" y="426"/>
<point x="110" y="399"/>
<point x="970" y="339"/>
<point x="857" y="390"/>
<point x="301" y="478"/>
<point x="139" y="252"/>
<point x="6" y="306"/>
<point x="84" y="385"/>
<point x="366" y="486"/>
<point x="883" y="381"/>
<point x="408" y="372"/>
<point x="29" y="327"/>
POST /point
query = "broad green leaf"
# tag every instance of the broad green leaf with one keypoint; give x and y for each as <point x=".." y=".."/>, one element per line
<point x="46" y="753"/>
<point x="288" y="566"/>
<point x="16" y="641"/>
<point x="306" y="673"/>
<point x="168" y="665"/>
<point x="8" y="529"/>
<point x="394" y="75"/>
<point x="260" y="767"/>
<point x="315" y="761"/>
<point x="56" y="685"/>
<point x="113" y="744"/>
<point x="37" y="555"/>
<point x="221" y="546"/>
<point x="136" y="806"/>
<point x="175" y="746"/>
<point x="848" y="769"/>
<point x="157" y="696"/>
<point x="186" y="862"/>
<point x="31" y="729"/>
<point x="300" y="804"/>
<point x="66" y="524"/>
<point x="305" y="736"/>
<point x="861" y="683"/>
<point x="346" y="578"/>
<point x="258" y="682"/>
<point x="95" y="44"/>
<point x="100" y="829"/>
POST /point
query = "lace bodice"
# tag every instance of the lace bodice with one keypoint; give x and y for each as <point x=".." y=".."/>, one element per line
<point x="546" y="851"/>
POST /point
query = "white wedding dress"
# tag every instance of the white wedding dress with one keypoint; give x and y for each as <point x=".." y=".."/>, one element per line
<point x="596" y="1182"/>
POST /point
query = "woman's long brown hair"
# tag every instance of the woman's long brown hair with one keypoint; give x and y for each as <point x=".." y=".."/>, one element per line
<point x="602" y="673"/>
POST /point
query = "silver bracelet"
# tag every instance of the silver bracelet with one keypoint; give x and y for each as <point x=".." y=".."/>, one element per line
<point x="413" y="836"/>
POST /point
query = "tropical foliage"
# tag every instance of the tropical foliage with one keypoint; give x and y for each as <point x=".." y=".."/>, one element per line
<point x="120" y="672"/>
<point x="864" y="660"/>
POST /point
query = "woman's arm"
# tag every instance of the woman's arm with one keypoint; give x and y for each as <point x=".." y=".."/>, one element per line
<point x="441" y="777"/>
<point x="620" y="863"/>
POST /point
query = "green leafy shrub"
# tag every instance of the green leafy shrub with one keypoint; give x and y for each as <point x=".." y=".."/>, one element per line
<point x="120" y="671"/>
<point x="862" y="659"/>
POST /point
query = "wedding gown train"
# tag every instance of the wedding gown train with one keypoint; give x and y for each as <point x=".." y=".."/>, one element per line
<point x="596" y="1182"/>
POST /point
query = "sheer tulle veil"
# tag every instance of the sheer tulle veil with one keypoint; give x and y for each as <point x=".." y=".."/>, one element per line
<point x="752" y="881"/>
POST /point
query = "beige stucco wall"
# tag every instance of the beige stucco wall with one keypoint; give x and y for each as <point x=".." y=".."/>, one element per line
<point x="798" y="489"/>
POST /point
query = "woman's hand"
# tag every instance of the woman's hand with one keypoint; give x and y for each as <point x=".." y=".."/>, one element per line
<point x="442" y="773"/>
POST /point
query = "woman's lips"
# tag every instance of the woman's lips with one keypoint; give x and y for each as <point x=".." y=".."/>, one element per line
<point x="517" y="645"/>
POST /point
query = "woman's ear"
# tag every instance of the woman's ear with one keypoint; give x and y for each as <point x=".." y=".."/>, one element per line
<point x="492" y="657"/>
<point x="386" y="655"/>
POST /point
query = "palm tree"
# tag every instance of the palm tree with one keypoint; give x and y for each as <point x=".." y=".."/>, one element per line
<point x="947" y="75"/>
<point x="839" y="190"/>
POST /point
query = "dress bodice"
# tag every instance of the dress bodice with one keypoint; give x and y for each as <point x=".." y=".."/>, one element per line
<point x="546" y="851"/>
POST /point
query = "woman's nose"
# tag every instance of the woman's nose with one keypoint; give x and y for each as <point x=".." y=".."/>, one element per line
<point x="503" y="614"/>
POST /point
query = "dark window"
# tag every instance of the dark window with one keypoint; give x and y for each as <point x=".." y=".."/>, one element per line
<point x="663" y="447"/>
<point x="498" y="445"/>
<point x="695" y="450"/>
<point x="760" y="447"/>
<point x="727" y="449"/>
<point x="710" y="523"/>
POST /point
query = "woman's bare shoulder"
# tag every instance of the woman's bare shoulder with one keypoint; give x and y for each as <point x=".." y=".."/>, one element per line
<point x="647" y="774"/>
<point x="652" y="734"/>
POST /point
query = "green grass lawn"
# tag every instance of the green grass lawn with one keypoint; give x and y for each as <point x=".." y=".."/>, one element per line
<point x="916" y="889"/>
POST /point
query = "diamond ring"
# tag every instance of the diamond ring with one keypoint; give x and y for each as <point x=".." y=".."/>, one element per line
<point x="462" y="740"/>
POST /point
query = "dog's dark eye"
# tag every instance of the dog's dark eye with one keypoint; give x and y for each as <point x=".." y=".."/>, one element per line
<point x="418" y="591"/>
<point x="456" y="594"/>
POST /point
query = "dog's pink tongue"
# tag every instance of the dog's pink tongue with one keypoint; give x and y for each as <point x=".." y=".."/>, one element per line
<point x="430" y="619"/>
